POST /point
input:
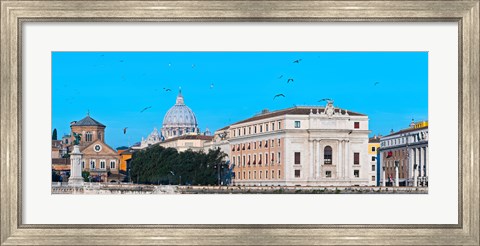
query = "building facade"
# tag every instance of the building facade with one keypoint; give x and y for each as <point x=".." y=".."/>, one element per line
<point x="317" y="146"/>
<point x="98" y="158"/>
<point x="373" y="146"/>
<point x="187" y="142"/>
<point x="404" y="156"/>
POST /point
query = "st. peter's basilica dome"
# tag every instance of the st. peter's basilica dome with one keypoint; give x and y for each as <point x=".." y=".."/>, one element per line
<point x="179" y="120"/>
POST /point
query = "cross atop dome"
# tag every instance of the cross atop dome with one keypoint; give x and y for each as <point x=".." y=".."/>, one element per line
<point x="180" y="97"/>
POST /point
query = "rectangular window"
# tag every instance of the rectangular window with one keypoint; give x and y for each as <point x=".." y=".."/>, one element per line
<point x="373" y="178"/>
<point x="102" y="164"/>
<point x="328" y="174"/>
<point x="239" y="177"/>
<point x="356" y="125"/>
<point x="278" y="144"/>
<point x="273" y="126"/>
<point x="297" y="158"/>
<point x="279" y="176"/>
<point x="273" y="174"/>
<point x="254" y="145"/>
<point x="266" y="174"/>
<point x="279" y="125"/>
<point x="254" y="174"/>
<point x="373" y="167"/>
<point x="112" y="164"/>
<point x="261" y="128"/>
<point x="356" y="158"/>
<point x="297" y="173"/>
<point x="92" y="164"/>
<point x="374" y="158"/>
<point x="373" y="149"/>
<point x="266" y="127"/>
<point x="278" y="158"/>
<point x="243" y="174"/>
<point x="356" y="173"/>
<point x="273" y="143"/>
<point x="255" y="129"/>
<point x="297" y="124"/>
<point x="260" y="175"/>
<point x="83" y="164"/>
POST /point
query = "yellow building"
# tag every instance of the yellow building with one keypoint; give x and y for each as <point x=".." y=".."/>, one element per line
<point x="373" y="145"/>
<point x="125" y="155"/>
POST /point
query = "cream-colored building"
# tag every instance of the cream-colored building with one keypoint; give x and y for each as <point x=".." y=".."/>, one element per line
<point x="187" y="142"/>
<point x="308" y="146"/>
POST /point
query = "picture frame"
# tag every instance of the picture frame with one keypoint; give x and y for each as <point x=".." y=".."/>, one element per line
<point x="15" y="13"/>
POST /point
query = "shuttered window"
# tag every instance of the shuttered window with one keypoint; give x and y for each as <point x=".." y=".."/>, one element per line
<point x="356" y="158"/>
<point x="297" y="157"/>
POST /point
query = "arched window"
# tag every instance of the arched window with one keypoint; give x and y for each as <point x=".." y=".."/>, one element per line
<point x="327" y="155"/>
<point x="88" y="137"/>
<point x="99" y="135"/>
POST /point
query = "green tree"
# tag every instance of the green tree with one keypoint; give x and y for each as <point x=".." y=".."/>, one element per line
<point x="54" y="134"/>
<point x="56" y="177"/>
<point x="159" y="165"/>
<point x="85" y="176"/>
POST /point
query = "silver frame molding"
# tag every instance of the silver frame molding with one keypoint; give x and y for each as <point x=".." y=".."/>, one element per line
<point x="14" y="13"/>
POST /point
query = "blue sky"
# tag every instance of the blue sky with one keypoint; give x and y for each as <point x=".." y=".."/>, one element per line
<point x="224" y="87"/>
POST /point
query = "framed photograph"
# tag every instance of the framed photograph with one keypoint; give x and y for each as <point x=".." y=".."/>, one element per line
<point x="240" y="122"/>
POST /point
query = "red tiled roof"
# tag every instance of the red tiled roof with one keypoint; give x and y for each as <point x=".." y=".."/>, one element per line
<point x="294" y="111"/>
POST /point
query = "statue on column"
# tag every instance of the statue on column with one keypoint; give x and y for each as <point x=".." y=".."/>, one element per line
<point x="76" y="178"/>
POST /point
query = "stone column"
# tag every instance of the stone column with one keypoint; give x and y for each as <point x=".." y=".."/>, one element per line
<point x="343" y="163"/>
<point x="383" y="176"/>
<point x="317" y="165"/>
<point x="419" y="155"/>
<point x="76" y="178"/>
<point x="339" y="159"/>
<point x="415" y="175"/>
<point x="312" y="158"/>
<point x="396" y="173"/>
<point x="420" y="165"/>
<point x="347" y="159"/>
<point x="427" y="166"/>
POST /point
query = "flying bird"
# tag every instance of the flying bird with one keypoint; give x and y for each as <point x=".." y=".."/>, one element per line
<point x="167" y="89"/>
<point x="297" y="61"/>
<point x="145" y="109"/>
<point x="278" y="95"/>
<point x="121" y="60"/>
<point x="125" y="130"/>
<point x="325" y="99"/>
<point x="289" y="80"/>
<point x="376" y="83"/>
<point x="281" y="76"/>
<point x="193" y="65"/>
